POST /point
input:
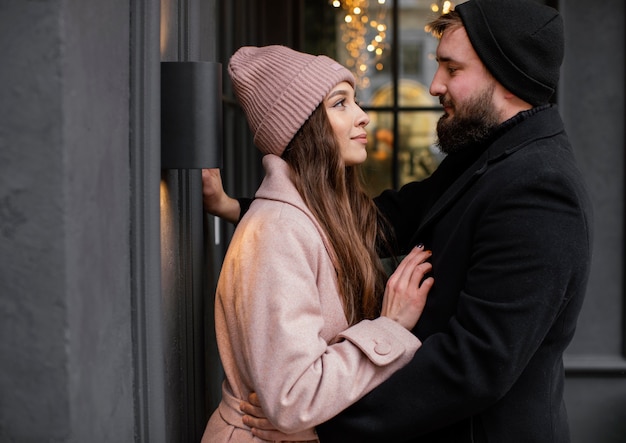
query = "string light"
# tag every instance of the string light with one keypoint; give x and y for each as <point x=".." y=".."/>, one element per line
<point x="364" y="34"/>
<point x="443" y="6"/>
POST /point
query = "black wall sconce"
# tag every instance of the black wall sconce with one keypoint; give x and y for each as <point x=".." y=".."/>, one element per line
<point x="191" y="115"/>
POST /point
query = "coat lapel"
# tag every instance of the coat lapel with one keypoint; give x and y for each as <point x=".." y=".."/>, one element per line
<point x="516" y="138"/>
<point x="453" y="192"/>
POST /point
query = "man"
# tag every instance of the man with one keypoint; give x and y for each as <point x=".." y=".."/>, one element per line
<point x="508" y="220"/>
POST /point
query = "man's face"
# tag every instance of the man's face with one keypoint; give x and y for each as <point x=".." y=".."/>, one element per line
<point x="466" y="90"/>
<point x="472" y="120"/>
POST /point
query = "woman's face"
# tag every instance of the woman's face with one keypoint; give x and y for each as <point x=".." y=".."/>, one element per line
<point x="348" y="121"/>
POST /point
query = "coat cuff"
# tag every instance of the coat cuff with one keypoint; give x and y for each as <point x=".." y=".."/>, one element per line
<point x="382" y="340"/>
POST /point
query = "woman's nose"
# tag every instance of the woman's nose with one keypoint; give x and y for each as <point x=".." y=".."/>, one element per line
<point x="363" y="119"/>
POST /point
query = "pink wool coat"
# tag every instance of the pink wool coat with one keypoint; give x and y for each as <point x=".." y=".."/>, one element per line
<point x="280" y="325"/>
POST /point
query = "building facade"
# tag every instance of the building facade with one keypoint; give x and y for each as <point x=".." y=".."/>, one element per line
<point x="108" y="263"/>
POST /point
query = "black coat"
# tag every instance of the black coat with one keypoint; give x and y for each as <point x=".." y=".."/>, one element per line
<point x="511" y="242"/>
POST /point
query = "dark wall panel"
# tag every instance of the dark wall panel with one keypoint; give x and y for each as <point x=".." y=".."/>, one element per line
<point x="592" y="102"/>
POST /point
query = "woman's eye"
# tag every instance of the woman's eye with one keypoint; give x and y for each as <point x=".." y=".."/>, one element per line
<point x="340" y="103"/>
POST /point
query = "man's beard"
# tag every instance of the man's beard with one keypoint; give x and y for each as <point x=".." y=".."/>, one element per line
<point x="473" y="121"/>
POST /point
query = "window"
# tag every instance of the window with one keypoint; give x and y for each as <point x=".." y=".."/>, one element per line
<point x="385" y="45"/>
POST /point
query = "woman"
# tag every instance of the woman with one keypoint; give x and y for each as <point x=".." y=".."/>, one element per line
<point x="298" y="299"/>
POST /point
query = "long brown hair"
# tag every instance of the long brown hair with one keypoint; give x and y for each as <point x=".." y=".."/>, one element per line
<point x="334" y="194"/>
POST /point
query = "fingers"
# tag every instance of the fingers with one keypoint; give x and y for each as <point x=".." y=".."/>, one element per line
<point x="253" y="398"/>
<point x="207" y="176"/>
<point x="417" y="256"/>
<point x="258" y="423"/>
<point x="427" y="284"/>
<point x="419" y="272"/>
<point x="262" y="428"/>
<point x="211" y="173"/>
<point x="211" y="176"/>
<point x="252" y="410"/>
<point x="407" y="288"/>
<point x="254" y="416"/>
<point x="411" y="269"/>
<point x="214" y="198"/>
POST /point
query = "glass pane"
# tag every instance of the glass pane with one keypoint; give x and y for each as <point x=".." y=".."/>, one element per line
<point x="418" y="156"/>
<point x="416" y="47"/>
<point x="364" y="43"/>
<point x="378" y="168"/>
<point x="357" y="33"/>
<point x="319" y="28"/>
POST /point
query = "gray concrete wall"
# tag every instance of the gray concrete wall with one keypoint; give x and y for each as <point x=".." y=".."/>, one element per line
<point x="65" y="313"/>
<point x="592" y="103"/>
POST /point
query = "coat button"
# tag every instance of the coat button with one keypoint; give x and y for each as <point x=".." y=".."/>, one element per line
<point x="382" y="348"/>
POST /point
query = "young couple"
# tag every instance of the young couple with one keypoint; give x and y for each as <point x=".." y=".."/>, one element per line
<point x="299" y="315"/>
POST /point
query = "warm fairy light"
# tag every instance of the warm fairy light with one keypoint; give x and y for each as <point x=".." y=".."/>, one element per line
<point x="364" y="39"/>
<point x="445" y="6"/>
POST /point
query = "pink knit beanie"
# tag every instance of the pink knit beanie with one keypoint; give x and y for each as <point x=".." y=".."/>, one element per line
<point x="279" y="88"/>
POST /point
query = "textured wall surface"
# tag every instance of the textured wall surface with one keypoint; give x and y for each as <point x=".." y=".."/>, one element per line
<point x="64" y="222"/>
<point x="592" y="103"/>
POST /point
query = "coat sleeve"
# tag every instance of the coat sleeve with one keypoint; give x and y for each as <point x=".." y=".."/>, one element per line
<point x="530" y="247"/>
<point x="404" y="210"/>
<point x="301" y="380"/>
<point x="244" y="205"/>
